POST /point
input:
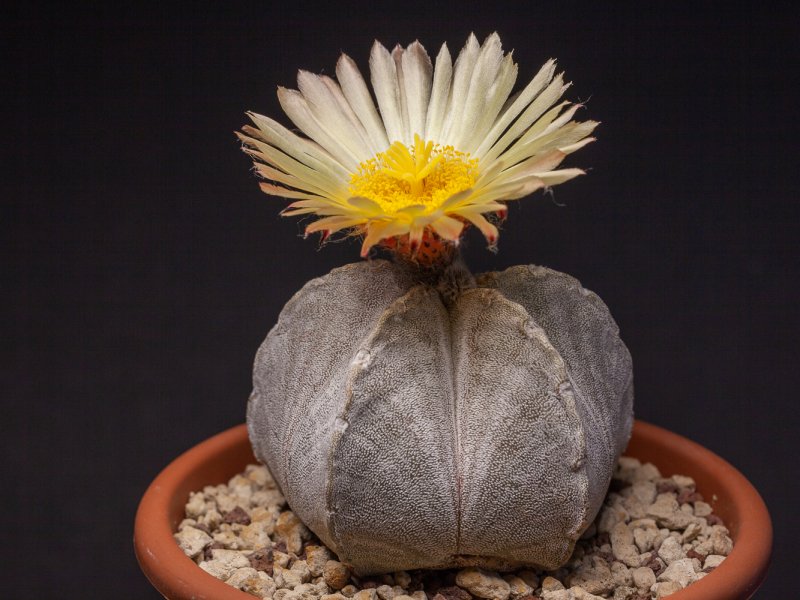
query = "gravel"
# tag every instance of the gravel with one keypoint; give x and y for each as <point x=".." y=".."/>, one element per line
<point x="653" y="537"/>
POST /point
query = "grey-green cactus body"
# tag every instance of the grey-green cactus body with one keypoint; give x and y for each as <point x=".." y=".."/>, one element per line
<point x="408" y="432"/>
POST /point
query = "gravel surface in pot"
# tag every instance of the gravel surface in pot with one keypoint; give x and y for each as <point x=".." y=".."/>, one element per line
<point x="653" y="536"/>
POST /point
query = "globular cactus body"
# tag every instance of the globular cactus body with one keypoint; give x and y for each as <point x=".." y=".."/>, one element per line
<point x="411" y="432"/>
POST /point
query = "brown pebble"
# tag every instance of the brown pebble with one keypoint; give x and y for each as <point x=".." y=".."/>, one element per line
<point x="663" y="487"/>
<point x="453" y="592"/>
<point x="280" y="546"/>
<point x="530" y="597"/>
<point x="687" y="496"/>
<point x="212" y="546"/>
<point x="692" y="553"/>
<point x="261" y="560"/>
<point x="202" y="527"/>
<point x="238" y="515"/>
<point x="336" y="574"/>
<point x="713" y="520"/>
<point x="368" y="585"/>
<point x="657" y="565"/>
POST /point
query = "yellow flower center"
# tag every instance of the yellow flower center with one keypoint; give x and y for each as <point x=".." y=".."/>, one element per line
<point x="427" y="175"/>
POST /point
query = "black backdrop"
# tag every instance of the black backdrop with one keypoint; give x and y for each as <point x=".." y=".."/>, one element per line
<point x="142" y="266"/>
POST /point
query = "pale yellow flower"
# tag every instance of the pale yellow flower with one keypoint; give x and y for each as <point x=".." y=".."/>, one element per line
<point x="446" y="145"/>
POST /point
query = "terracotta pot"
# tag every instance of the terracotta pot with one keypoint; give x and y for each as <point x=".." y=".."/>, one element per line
<point x="219" y="458"/>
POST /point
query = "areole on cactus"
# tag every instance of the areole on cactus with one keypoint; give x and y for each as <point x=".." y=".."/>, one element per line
<point x="415" y="415"/>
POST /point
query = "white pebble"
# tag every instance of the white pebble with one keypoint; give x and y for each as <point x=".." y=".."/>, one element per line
<point x="484" y="584"/>
<point x="316" y="557"/>
<point x="622" y="545"/>
<point x="240" y="576"/>
<point x="670" y="551"/>
<point x="702" y="509"/>
<point x="681" y="571"/>
<point x="349" y="590"/>
<point x="691" y="532"/>
<point x="644" y="578"/>
<point x="385" y="592"/>
<point x="712" y="561"/>
<point x="683" y="481"/>
<point x="665" y="588"/>
<point x="721" y="543"/>
<point x="369" y="594"/>
<point x="224" y="562"/>
<point x="621" y="575"/>
<point x="518" y="586"/>
<point x="594" y="575"/>
<point x="192" y="541"/>
<point x="551" y="584"/>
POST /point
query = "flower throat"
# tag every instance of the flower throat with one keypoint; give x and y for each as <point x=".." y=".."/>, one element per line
<point x="425" y="175"/>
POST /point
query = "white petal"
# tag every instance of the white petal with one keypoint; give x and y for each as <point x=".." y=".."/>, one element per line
<point x="539" y="133"/>
<point x="502" y="191"/>
<point x="413" y="211"/>
<point x="350" y="115"/>
<point x="462" y="74"/>
<point x="531" y="166"/>
<point x="417" y="71"/>
<point x="355" y="90"/>
<point x="481" y="79"/>
<point x="440" y="94"/>
<point x="459" y="199"/>
<point x="384" y="81"/>
<point x="397" y="56"/>
<point x="296" y="108"/>
<point x="319" y="206"/>
<point x="475" y="217"/>
<point x="365" y="205"/>
<point x="548" y="124"/>
<point x="525" y="97"/>
<point x="542" y="102"/>
<point x="273" y="156"/>
<point x="334" y="223"/>
<point x="489" y="173"/>
<point x="496" y="98"/>
<point x="560" y="176"/>
<point x="565" y="136"/>
<point x="272" y="174"/>
<point x="302" y="149"/>
<point x="415" y="233"/>
<point x="577" y="146"/>
<point x="448" y="227"/>
<point x="328" y="112"/>
<point x="378" y="230"/>
<point x="277" y="190"/>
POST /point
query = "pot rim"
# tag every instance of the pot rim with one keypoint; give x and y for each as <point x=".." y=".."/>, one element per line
<point x="177" y="576"/>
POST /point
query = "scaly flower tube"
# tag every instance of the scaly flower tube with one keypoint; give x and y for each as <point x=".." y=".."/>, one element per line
<point x="446" y="146"/>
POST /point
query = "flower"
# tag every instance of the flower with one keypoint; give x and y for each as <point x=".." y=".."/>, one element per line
<point x="447" y="144"/>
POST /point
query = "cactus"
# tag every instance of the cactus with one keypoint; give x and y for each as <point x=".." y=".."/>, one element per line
<point x="409" y="432"/>
<point x="413" y="415"/>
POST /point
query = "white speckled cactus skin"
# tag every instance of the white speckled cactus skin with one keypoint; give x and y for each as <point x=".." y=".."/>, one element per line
<point x="408" y="432"/>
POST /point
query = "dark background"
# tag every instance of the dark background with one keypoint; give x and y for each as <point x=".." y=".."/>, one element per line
<point x="142" y="266"/>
